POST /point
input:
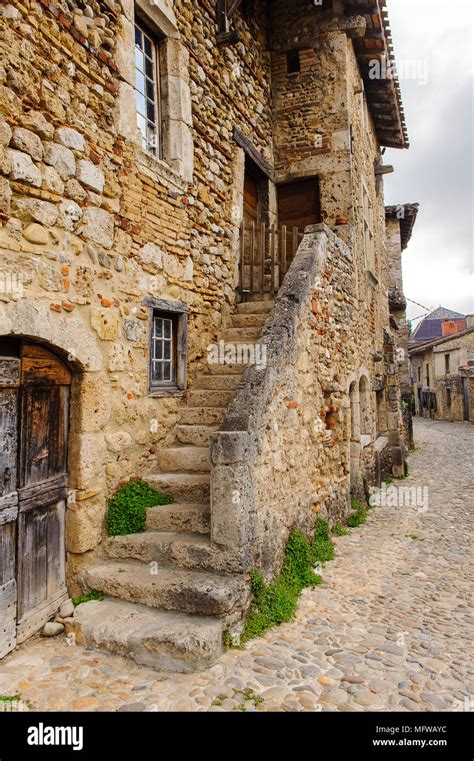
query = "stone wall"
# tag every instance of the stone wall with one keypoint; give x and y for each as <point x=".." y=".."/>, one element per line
<point x="91" y="225"/>
<point x="282" y="456"/>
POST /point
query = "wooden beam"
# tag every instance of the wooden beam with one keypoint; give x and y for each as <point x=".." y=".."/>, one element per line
<point x="228" y="38"/>
<point x="253" y="153"/>
<point x="233" y="7"/>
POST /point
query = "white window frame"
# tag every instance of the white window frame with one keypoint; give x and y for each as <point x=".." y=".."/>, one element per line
<point x="150" y="68"/>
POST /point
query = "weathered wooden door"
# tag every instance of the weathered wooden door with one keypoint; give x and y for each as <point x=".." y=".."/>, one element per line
<point x="9" y="397"/>
<point x="34" y="428"/>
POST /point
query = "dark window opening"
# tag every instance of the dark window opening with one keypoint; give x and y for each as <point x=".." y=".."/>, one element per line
<point x="446" y="363"/>
<point x="293" y="61"/>
<point x="428" y="375"/>
<point x="448" y="397"/>
<point x="419" y="375"/>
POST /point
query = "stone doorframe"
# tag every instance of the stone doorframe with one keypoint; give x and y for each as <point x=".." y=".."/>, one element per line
<point x="69" y="338"/>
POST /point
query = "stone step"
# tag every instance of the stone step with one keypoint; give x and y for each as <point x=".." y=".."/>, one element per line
<point x="196" y="435"/>
<point x="183" y="590"/>
<point x="189" y="517"/>
<point x="184" y="459"/>
<point x="230" y="338"/>
<point x="201" y="415"/>
<point x="160" y="639"/>
<point x="240" y="335"/>
<point x="154" y="545"/>
<point x="209" y="398"/>
<point x="216" y="382"/>
<point x="170" y="549"/>
<point x="219" y="368"/>
<point x="249" y="320"/>
<point x="183" y="487"/>
<point x="255" y="307"/>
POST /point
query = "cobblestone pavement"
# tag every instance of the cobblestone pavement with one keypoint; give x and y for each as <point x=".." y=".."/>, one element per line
<point x="390" y="629"/>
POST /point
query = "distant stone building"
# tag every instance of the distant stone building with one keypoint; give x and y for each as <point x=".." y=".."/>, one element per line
<point x="442" y="375"/>
<point x="195" y="289"/>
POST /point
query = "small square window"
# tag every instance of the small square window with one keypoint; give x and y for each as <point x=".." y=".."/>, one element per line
<point x="168" y="347"/>
<point x="293" y="61"/>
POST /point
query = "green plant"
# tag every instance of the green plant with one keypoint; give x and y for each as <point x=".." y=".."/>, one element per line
<point x="92" y="595"/>
<point x="388" y="480"/>
<point x="127" y="509"/>
<point x="276" y="602"/>
<point x="216" y="702"/>
<point x="339" y="530"/>
<point x="9" y="698"/>
<point x="359" y="514"/>
<point x="322" y="549"/>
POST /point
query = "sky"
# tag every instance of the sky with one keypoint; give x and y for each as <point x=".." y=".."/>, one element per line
<point x="433" y="43"/>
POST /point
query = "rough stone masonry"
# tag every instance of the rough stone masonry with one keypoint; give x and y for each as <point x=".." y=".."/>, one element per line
<point x="97" y="233"/>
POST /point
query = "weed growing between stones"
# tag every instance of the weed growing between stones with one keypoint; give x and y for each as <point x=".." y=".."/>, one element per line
<point x="359" y="515"/>
<point x="276" y="602"/>
<point x="92" y="595"/>
<point x="339" y="530"/>
<point x="127" y="509"/>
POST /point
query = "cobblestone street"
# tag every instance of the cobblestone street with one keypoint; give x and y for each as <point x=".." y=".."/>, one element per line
<point x="390" y="629"/>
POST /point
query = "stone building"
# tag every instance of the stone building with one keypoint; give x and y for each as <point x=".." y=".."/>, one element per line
<point x="188" y="191"/>
<point x="400" y="221"/>
<point x="442" y="375"/>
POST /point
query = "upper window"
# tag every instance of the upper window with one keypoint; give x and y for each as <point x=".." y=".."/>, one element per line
<point x="147" y="89"/>
<point x="446" y="363"/>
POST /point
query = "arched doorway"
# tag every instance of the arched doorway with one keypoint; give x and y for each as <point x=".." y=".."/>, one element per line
<point x="34" y="412"/>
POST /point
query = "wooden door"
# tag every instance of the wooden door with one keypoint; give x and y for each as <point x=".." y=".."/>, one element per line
<point x="9" y="395"/>
<point x="37" y="421"/>
<point x="298" y="206"/>
<point x="250" y="199"/>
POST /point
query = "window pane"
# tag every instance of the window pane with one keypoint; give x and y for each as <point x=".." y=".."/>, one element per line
<point x="140" y="101"/>
<point x="167" y="348"/>
<point x="139" y="59"/>
<point x="159" y="350"/>
<point x="167" y="328"/>
<point x="138" y="37"/>
<point x="140" y="81"/>
<point x="148" y="47"/>
<point x="149" y="69"/>
<point x="167" y="371"/>
<point x="159" y="326"/>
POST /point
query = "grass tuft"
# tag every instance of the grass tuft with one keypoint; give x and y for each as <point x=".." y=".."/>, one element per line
<point x="127" y="509"/>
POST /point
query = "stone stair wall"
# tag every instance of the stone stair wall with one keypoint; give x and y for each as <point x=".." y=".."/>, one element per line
<point x="275" y="461"/>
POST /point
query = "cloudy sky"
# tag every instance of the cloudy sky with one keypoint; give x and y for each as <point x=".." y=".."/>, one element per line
<point x="433" y="40"/>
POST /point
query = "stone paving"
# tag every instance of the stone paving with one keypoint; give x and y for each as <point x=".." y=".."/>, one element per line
<point x="390" y="629"/>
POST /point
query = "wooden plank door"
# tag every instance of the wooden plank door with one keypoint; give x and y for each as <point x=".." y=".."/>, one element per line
<point x="44" y="410"/>
<point x="9" y="390"/>
<point x="298" y="206"/>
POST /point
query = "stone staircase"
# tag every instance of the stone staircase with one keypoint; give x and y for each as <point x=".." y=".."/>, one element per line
<point x="168" y="597"/>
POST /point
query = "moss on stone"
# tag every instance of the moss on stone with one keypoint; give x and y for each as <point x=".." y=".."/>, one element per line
<point x="127" y="509"/>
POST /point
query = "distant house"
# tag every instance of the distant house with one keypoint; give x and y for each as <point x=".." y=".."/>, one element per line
<point x="439" y="323"/>
<point x="442" y="371"/>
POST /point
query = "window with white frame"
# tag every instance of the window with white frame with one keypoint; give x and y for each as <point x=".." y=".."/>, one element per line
<point x="369" y="243"/>
<point x="168" y="346"/>
<point x="147" y="88"/>
<point x="163" y="360"/>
